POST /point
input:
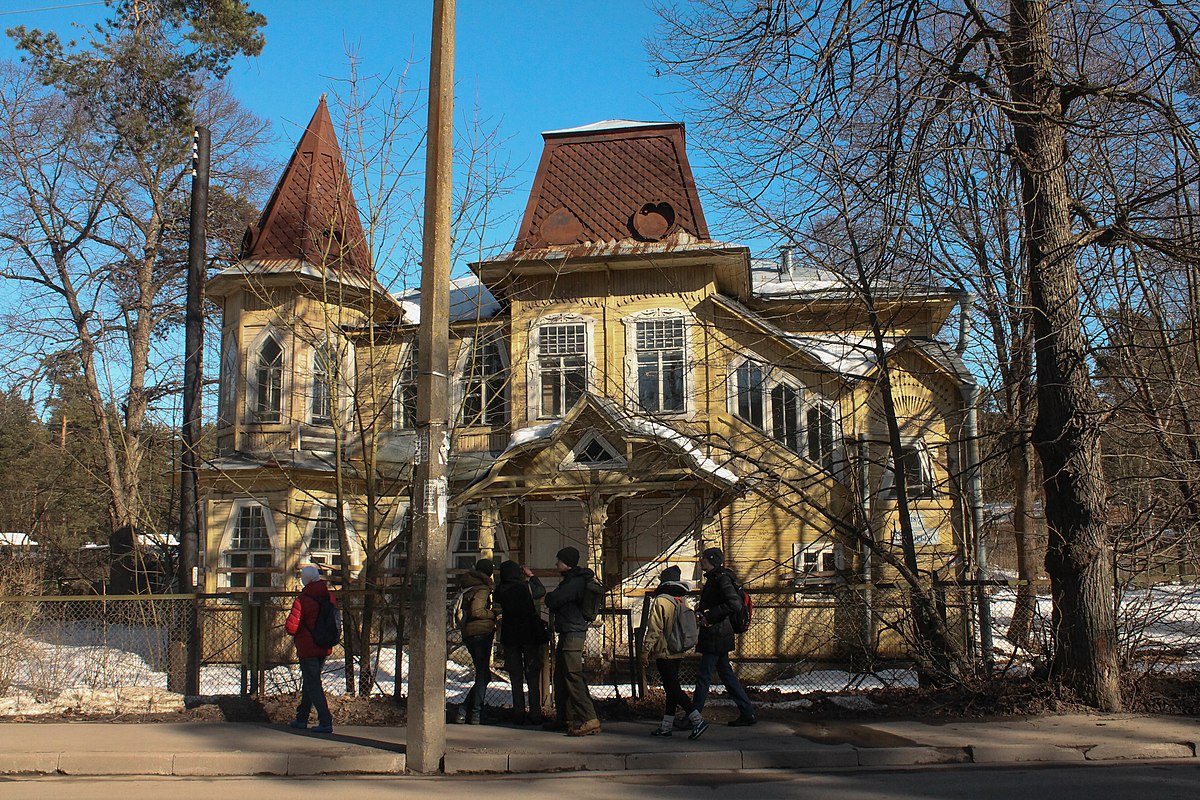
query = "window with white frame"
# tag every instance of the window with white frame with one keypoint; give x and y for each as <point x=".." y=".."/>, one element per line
<point x="819" y="431"/>
<point x="398" y="546"/>
<point x="466" y="543"/>
<point x="917" y="465"/>
<point x="324" y="538"/>
<point x="817" y="558"/>
<point x="249" y="561"/>
<point x="484" y="380"/>
<point x="405" y="396"/>
<point x="268" y="368"/>
<point x="228" y="379"/>
<point x="659" y="346"/>
<point x="324" y="373"/>
<point x="748" y="393"/>
<point x="562" y="367"/>
<point x="786" y="417"/>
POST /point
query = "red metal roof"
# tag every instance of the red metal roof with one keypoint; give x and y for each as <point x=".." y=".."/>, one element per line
<point x="311" y="215"/>
<point x="612" y="182"/>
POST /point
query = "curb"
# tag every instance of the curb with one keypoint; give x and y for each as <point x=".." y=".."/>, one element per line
<point x="222" y="763"/>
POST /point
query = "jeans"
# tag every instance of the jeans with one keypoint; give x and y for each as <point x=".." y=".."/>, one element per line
<point x="572" y="703"/>
<point x="312" y="693"/>
<point x="480" y="648"/>
<point x="668" y="671"/>
<point x="725" y="670"/>
<point x="524" y="665"/>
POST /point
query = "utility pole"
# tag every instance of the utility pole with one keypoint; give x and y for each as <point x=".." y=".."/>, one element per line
<point x="189" y="501"/>
<point x="427" y="655"/>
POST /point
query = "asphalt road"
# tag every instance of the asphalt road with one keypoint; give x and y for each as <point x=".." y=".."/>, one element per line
<point x="1157" y="781"/>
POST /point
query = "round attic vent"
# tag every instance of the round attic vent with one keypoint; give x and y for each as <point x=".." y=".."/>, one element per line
<point x="653" y="221"/>
<point x="561" y="227"/>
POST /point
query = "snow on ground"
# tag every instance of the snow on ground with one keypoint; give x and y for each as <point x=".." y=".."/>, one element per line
<point x="84" y="666"/>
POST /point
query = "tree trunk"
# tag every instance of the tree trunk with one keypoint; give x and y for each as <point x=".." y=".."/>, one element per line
<point x="1066" y="433"/>
<point x="1020" y="468"/>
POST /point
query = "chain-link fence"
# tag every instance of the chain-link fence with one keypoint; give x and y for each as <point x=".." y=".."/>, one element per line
<point x="823" y="639"/>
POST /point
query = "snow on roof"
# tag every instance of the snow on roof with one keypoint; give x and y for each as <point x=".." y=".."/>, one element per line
<point x="524" y="436"/>
<point x="469" y="300"/>
<point x="846" y="355"/>
<point x="606" y="125"/>
<point x="14" y="539"/>
<point x="685" y="443"/>
<point x="768" y="279"/>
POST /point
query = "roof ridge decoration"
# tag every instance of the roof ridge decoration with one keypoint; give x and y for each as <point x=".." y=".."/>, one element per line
<point x="612" y="181"/>
<point x="311" y="215"/>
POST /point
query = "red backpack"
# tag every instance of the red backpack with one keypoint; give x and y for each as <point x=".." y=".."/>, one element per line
<point x="740" y="619"/>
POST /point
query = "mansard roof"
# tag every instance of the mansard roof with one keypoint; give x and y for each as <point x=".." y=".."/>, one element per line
<point x="311" y="216"/>
<point x="611" y="182"/>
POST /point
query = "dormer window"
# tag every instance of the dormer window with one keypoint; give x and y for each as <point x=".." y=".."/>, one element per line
<point x="268" y="401"/>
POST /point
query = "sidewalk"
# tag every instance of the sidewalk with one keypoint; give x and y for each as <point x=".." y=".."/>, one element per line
<point x="209" y="749"/>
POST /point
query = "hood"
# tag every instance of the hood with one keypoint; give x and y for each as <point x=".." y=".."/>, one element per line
<point x="474" y="578"/>
<point x="673" y="588"/>
<point x="511" y="571"/>
<point x="316" y="589"/>
<point x="579" y="571"/>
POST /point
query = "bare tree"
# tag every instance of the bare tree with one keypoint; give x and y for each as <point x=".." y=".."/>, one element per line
<point x="1074" y="83"/>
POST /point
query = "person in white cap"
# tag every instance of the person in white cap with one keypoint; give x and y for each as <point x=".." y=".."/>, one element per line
<point x="300" y="624"/>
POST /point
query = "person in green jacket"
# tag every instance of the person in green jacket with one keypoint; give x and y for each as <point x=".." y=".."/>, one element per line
<point x="478" y="631"/>
<point x="670" y="592"/>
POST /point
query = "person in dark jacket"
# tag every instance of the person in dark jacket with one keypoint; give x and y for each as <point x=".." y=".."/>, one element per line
<point x="478" y="632"/>
<point x="573" y="706"/>
<point x="719" y="599"/>
<point x="667" y="597"/>
<point x="300" y="624"/>
<point x="523" y="635"/>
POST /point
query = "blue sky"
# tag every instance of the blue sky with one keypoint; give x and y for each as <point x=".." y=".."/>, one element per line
<point x="534" y="65"/>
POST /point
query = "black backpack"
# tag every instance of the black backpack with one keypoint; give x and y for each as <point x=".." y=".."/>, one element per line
<point x="327" y="630"/>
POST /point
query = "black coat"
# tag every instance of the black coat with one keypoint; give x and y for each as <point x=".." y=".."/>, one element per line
<point x="566" y="601"/>
<point x="719" y="600"/>
<point x="520" y="623"/>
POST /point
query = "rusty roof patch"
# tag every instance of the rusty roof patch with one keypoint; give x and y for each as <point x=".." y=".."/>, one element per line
<point x="312" y="215"/>
<point x="628" y="182"/>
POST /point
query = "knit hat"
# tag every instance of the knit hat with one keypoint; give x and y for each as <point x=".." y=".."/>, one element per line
<point x="714" y="556"/>
<point x="484" y="565"/>
<point x="309" y="574"/>
<point x="670" y="575"/>
<point x="568" y="556"/>
<point x="511" y="571"/>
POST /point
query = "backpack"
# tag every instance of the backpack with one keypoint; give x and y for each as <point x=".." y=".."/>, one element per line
<point x="458" y="609"/>
<point x="593" y="600"/>
<point x="327" y="630"/>
<point x="740" y="619"/>
<point x="685" y="630"/>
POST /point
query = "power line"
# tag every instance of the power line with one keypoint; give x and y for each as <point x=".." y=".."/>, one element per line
<point x="52" y="8"/>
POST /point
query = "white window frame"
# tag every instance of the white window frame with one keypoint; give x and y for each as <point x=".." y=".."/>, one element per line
<point x="572" y="460"/>
<point x="734" y="390"/>
<point x="230" y="370"/>
<point x="253" y="388"/>
<point x="325" y="558"/>
<point x="632" y="382"/>
<point x="925" y="458"/>
<point x="397" y="560"/>
<point x="225" y="579"/>
<point x="534" y="373"/>
<point x="819" y="559"/>
<point x="466" y="353"/>
<point x="464" y="559"/>
<point x="406" y="380"/>
<point x="802" y="404"/>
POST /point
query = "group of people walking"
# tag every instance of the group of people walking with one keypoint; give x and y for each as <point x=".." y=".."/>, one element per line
<point x="524" y="635"/>
<point x="511" y="607"/>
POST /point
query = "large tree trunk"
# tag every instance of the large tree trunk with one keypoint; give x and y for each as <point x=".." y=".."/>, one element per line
<point x="1066" y="433"/>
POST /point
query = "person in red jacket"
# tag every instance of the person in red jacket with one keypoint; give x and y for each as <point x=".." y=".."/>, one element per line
<point x="300" y="624"/>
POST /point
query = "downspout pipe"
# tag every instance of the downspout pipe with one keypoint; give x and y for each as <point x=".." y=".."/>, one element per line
<point x="971" y="394"/>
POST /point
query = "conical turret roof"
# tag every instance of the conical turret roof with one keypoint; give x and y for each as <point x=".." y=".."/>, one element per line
<point x="311" y="215"/>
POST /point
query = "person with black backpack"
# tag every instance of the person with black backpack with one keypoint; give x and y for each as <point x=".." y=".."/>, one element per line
<point x="301" y="623"/>
<point x="478" y="633"/>
<point x="720" y="601"/>
<point x="573" y="707"/>
<point x="670" y="635"/>
<point x="524" y="636"/>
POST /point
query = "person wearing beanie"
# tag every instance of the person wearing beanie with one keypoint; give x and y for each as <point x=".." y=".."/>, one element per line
<point x="478" y="631"/>
<point x="719" y="600"/>
<point x="573" y="707"/>
<point x="523" y="635"/>
<point x="300" y="624"/>
<point x="669" y="597"/>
